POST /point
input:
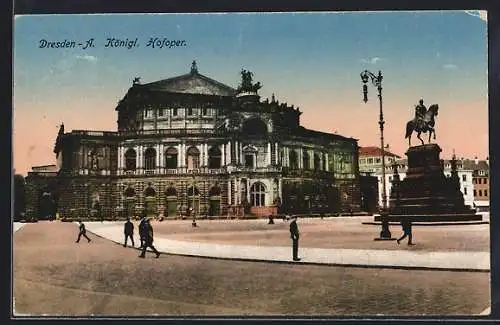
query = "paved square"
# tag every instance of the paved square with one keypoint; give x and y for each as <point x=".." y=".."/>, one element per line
<point x="55" y="276"/>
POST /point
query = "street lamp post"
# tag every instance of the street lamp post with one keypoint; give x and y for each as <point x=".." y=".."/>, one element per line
<point x="377" y="82"/>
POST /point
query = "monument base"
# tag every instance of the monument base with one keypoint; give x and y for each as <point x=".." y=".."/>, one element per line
<point x="426" y="194"/>
<point x="434" y="217"/>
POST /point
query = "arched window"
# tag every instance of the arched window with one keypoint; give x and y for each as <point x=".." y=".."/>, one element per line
<point x="193" y="158"/>
<point x="171" y="158"/>
<point x="258" y="194"/>
<point x="130" y="159"/>
<point x="150" y="192"/>
<point x="150" y="159"/>
<point x="214" y="157"/>
<point x="214" y="191"/>
<point x="305" y="159"/>
<point x="292" y="157"/>
<point x="129" y="192"/>
<point x="254" y="127"/>
<point x="171" y="192"/>
<point x="190" y="191"/>
<point x="317" y="162"/>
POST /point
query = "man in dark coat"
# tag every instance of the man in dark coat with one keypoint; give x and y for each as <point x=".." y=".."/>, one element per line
<point x="128" y="229"/>
<point x="148" y="240"/>
<point x="406" y="225"/>
<point x="142" y="231"/>
<point x="82" y="232"/>
<point x="294" y="234"/>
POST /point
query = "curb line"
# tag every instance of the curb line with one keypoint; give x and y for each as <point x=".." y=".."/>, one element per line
<point x="394" y="267"/>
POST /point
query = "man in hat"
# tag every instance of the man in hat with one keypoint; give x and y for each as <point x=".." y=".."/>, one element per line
<point x="142" y="230"/>
<point x="128" y="230"/>
<point x="294" y="234"/>
<point x="406" y="225"/>
<point x="148" y="240"/>
<point x="82" y="232"/>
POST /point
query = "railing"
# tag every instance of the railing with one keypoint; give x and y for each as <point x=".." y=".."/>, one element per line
<point x="163" y="132"/>
<point x="177" y="171"/>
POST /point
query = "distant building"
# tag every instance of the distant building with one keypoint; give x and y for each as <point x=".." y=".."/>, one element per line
<point x="480" y="182"/>
<point x="370" y="159"/>
<point x="42" y="191"/>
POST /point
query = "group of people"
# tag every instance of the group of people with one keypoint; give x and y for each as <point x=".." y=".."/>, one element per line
<point x="294" y="234"/>
<point x="146" y="234"/>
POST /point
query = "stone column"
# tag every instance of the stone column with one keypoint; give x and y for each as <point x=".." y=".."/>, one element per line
<point x="236" y="190"/>
<point x="326" y="162"/>
<point x="162" y="157"/>
<point x="157" y="165"/>
<point x="280" y="189"/>
<point x="229" y="199"/>
<point x="223" y="157"/>
<point x="268" y="153"/>
<point x="301" y="157"/>
<point x="248" y="190"/>
<point x="137" y="158"/>
<point x="205" y="146"/>
<point x="228" y="156"/>
<point x="311" y="159"/>
<point x="120" y="160"/>
<point x="179" y="155"/>
<point x="236" y="155"/>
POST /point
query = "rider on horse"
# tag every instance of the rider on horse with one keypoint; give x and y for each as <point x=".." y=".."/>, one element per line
<point x="420" y="111"/>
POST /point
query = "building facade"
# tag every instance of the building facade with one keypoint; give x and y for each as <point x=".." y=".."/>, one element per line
<point x="481" y="182"/>
<point x="370" y="159"/>
<point x="192" y="145"/>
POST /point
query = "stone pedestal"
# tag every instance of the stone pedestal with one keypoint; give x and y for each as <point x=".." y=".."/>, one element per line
<point x="426" y="194"/>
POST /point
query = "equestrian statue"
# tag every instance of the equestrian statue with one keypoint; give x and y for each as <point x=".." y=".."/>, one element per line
<point x="422" y="122"/>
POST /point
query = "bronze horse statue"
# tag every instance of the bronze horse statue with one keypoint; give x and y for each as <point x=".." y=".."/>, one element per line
<point x="426" y="125"/>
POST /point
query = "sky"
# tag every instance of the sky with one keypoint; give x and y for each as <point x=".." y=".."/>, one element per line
<point x="310" y="60"/>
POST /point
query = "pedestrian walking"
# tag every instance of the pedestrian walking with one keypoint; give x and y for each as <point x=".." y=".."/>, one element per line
<point x="148" y="240"/>
<point x="294" y="234"/>
<point x="142" y="231"/>
<point x="128" y="230"/>
<point x="82" y="232"/>
<point x="406" y="225"/>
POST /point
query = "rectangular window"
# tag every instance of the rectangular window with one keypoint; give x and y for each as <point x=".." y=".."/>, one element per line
<point x="464" y="178"/>
<point x="465" y="190"/>
<point x="475" y="193"/>
<point x="160" y="112"/>
<point x="205" y="111"/>
<point x="190" y="111"/>
<point x="480" y="193"/>
<point x="249" y="161"/>
<point x="485" y="181"/>
<point x="174" y="111"/>
<point x="370" y="160"/>
<point x="485" y="192"/>
<point x="377" y="160"/>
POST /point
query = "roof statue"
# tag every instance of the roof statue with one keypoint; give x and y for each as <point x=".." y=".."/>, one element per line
<point x="422" y="122"/>
<point x="136" y="81"/>
<point x="194" y="67"/>
<point x="246" y="82"/>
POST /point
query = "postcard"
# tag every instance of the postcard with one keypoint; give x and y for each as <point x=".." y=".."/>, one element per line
<point x="297" y="164"/>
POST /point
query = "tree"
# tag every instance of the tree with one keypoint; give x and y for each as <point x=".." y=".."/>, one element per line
<point x="19" y="196"/>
